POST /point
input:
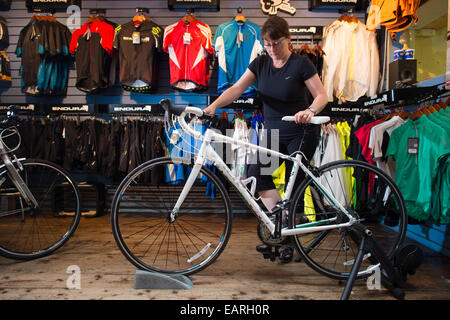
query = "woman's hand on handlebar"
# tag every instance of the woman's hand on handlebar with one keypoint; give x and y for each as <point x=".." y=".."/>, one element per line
<point x="303" y="116"/>
<point x="210" y="109"/>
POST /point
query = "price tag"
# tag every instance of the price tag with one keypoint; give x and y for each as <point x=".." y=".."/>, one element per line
<point x="239" y="38"/>
<point x="413" y="145"/>
<point x="136" y="37"/>
<point x="187" y="38"/>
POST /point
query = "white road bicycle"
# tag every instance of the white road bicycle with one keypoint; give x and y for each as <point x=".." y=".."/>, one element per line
<point x="183" y="227"/>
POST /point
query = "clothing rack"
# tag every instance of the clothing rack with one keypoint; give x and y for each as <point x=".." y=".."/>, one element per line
<point x="395" y="98"/>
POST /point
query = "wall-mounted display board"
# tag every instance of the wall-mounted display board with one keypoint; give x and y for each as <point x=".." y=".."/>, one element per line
<point x="306" y="32"/>
<point x="57" y="5"/>
<point x="204" y="5"/>
<point x="336" y="5"/>
<point x="241" y="103"/>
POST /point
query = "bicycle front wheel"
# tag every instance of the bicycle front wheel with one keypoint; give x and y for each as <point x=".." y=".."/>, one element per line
<point x="27" y="232"/>
<point x="140" y="211"/>
<point x="369" y="195"/>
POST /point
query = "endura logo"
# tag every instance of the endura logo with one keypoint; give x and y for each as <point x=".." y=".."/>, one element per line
<point x="271" y="7"/>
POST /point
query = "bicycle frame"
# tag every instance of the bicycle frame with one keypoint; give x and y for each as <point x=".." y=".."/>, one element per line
<point x="207" y="152"/>
<point x="15" y="176"/>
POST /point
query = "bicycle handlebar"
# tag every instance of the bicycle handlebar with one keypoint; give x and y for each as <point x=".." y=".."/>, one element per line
<point x="181" y="111"/>
<point x="314" y="120"/>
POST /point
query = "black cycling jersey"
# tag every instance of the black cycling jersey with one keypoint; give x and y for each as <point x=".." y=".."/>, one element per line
<point x="282" y="90"/>
<point x="284" y="93"/>
<point x="139" y="46"/>
<point x="92" y="46"/>
<point x="44" y="49"/>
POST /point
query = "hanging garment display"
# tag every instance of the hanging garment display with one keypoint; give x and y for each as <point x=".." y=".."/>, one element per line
<point x="111" y="148"/>
<point x="44" y="48"/>
<point x="92" y="46"/>
<point x="351" y="66"/>
<point x="4" y="34"/>
<point x="189" y="44"/>
<point x="395" y="15"/>
<point x="236" y="43"/>
<point x="315" y="54"/>
<point x="420" y="148"/>
<point x="139" y="43"/>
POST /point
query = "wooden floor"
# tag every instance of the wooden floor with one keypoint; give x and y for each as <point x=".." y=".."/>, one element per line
<point x="240" y="273"/>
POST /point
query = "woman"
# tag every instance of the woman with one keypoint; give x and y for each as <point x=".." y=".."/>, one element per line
<point x="283" y="78"/>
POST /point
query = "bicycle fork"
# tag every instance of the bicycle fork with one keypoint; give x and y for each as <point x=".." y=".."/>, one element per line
<point x="189" y="183"/>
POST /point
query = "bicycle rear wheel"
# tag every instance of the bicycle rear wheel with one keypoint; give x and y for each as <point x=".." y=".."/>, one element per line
<point x="140" y="225"/>
<point x="367" y="193"/>
<point x="29" y="233"/>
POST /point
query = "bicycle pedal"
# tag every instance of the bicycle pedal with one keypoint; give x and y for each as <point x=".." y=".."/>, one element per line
<point x="268" y="252"/>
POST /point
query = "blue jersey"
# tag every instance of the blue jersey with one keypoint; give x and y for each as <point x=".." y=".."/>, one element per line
<point x="236" y="45"/>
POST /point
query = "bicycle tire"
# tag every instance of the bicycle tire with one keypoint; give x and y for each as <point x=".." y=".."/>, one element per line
<point x="333" y="252"/>
<point x="27" y="233"/>
<point x="139" y="213"/>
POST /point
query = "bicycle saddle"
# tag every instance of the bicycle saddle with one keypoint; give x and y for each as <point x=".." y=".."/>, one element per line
<point x="170" y="107"/>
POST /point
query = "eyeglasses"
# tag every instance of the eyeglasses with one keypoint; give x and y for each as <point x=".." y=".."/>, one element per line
<point x="273" y="44"/>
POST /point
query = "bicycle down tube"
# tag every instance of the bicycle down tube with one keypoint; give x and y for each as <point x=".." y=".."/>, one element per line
<point x="16" y="178"/>
<point x="206" y="152"/>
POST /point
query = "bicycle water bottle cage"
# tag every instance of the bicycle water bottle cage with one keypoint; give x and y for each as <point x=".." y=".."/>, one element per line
<point x="170" y="107"/>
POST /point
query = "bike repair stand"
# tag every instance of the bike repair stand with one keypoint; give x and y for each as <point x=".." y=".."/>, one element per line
<point x="154" y="280"/>
<point x="390" y="277"/>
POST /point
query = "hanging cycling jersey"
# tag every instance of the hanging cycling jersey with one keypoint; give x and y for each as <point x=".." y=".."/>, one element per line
<point x="92" y="47"/>
<point x="189" y="45"/>
<point x="44" y="48"/>
<point x="139" y="43"/>
<point x="4" y="35"/>
<point x="236" y="44"/>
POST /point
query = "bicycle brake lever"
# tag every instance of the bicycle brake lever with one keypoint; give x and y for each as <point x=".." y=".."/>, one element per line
<point x="207" y="116"/>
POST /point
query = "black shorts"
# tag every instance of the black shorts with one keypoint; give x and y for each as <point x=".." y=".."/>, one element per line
<point x="262" y="166"/>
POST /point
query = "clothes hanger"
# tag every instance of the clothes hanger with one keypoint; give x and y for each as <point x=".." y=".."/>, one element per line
<point x="96" y="15"/>
<point x="404" y="114"/>
<point x="416" y="115"/>
<point x="431" y="108"/>
<point x="240" y="17"/>
<point x="189" y="17"/>
<point x="141" y="16"/>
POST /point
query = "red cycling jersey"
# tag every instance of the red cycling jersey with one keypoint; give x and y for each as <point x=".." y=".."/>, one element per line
<point x="189" y="47"/>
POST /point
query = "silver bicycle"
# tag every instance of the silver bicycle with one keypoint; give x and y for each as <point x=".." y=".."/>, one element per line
<point x="181" y="226"/>
<point x="39" y="201"/>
